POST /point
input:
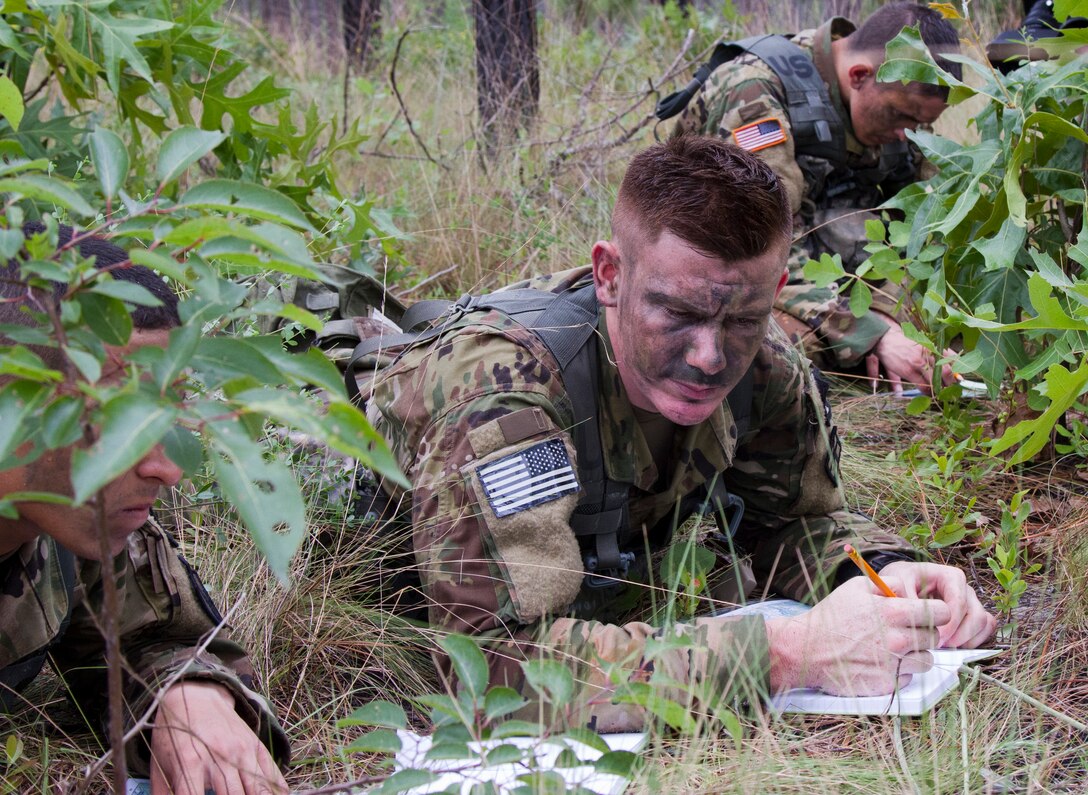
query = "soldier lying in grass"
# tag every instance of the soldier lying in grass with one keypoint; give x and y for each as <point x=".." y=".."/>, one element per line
<point x="211" y="730"/>
<point x="531" y="516"/>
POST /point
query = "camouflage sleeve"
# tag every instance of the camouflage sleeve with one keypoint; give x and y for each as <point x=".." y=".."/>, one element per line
<point x="786" y="471"/>
<point x="166" y="616"/>
<point x="502" y="574"/>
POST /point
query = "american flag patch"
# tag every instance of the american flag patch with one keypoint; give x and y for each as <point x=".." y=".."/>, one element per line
<point x="536" y="475"/>
<point x="759" y="134"/>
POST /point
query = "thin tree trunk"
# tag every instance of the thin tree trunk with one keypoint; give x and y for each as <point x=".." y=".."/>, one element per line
<point x="507" y="70"/>
<point x="362" y="24"/>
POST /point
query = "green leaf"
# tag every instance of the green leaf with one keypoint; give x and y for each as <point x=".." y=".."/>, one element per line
<point x="861" y="298"/>
<point x="11" y="102"/>
<point x="89" y="365"/>
<point x="61" y="422"/>
<point x="20" y="362"/>
<point x="183" y="447"/>
<point x="504" y="754"/>
<point x="376" y="713"/>
<point x="11" y="242"/>
<point x="551" y="679"/>
<point x="824" y="271"/>
<point x="502" y="701"/>
<point x="919" y="405"/>
<point x="19" y="400"/>
<point x="131" y="424"/>
<point x="110" y="158"/>
<point x="999" y="251"/>
<point x="117" y="37"/>
<point x="618" y="763"/>
<point x="107" y="317"/>
<point x="265" y="494"/>
<point x="1063" y="388"/>
<point x="469" y="663"/>
<point x="183" y="147"/>
<point x="47" y="189"/>
<point x="129" y="292"/>
<point x="587" y="737"/>
<point x="378" y="741"/>
<point x="244" y="198"/>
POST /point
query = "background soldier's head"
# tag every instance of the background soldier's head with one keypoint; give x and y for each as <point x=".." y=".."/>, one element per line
<point x="881" y="112"/>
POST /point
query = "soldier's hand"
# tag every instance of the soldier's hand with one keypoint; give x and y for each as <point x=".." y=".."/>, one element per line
<point x="969" y="624"/>
<point x="856" y="642"/>
<point x="902" y="362"/>
<point x="200" y="744"/>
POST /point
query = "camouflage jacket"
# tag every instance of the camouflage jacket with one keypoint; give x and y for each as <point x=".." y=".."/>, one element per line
<point x="458" y="407"/>
<point x="165" y="615"/>
<point x="745" y="91"/>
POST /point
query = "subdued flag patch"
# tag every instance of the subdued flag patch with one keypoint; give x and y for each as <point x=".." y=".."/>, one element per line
<point x="533" y="476"/>
<point x="760" y="134"/>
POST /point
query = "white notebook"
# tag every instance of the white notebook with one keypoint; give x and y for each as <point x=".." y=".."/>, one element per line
<point x="924" y="690"/>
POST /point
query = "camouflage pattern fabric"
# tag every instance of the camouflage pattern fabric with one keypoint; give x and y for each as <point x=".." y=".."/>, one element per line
<point x="746" y="90"/>
<point x="488" y="391"/>
<point x="165" y="615"/>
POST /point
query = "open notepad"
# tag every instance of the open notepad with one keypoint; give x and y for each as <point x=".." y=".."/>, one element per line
<point x="924" y="690"/>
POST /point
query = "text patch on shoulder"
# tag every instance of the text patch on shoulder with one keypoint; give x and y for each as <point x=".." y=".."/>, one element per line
<point x="760" y="134"/>
<point x="529" y="477"/>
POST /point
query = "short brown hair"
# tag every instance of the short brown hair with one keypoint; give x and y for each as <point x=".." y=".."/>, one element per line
<point x="936" y="32"/>
<point x="722" y="200"/>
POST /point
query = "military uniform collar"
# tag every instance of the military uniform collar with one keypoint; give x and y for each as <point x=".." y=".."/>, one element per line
<point x="627" y="455"/>
<point x="834" y="29"/>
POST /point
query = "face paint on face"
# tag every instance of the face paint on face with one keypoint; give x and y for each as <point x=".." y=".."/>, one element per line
<point x="685" y="326"/>
<point x="881" y="114"/>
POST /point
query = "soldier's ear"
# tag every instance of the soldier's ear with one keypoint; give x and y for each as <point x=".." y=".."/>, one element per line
<point x="860" y="73"/>
<point x="606" y="271"/>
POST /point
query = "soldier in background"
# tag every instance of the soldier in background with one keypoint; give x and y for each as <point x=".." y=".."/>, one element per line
<point x="548" y="458"/>
<point x="1010" y="48"/>
<point x="811" y="106"/>
<point x="211" y="730"/>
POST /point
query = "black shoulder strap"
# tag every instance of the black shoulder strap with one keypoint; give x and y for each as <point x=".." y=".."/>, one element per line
<point x="17" y="675"/>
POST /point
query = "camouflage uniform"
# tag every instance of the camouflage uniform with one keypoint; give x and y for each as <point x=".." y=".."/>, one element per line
<point x="746" y="90"/>
<point x="490" y="389"/>
<point x="165" y="613"/>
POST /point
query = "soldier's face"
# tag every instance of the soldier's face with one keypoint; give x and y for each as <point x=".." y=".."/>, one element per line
<point x="881" y="114"/>
<point x="126" y="501"/>
<point x="684" y="326"/>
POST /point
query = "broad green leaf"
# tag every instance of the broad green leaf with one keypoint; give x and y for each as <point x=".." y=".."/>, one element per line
<point x="129" y="292"/>
<point x="264" y="493"/>
<point x="999" y="251"/>
<point x="106" y="316"/>
<point x="131" y="424"/>
<point x="20" y="362"/>
<point x="516" y="728"/>
<point x="469" y="663"/>
<point x="406" y="781"/>
<point x="118" y="37"/>
<point x="504" y="754"/>
<point x="176" y="356"/>
<point x="1063" y="388"/>
<point x="1049" y="311"/>
<point x="824" y="271"/>
<point x="89" y="365"/>
<point x="166" y="265"/>
<point x="861" y="298"/>
<point x="183" y="147"/>
<point x="919" y="405"/>
<point x="377" y="713"/>
<point x="378" y="741"/>
<point x="551" y="679"/>
<point x="501" y="701"/>
<point x="451" y="750"/>
<point x="110" y="158"/>
<point x="18" y="401"/>
<point x="11" y="102"/>
<point x="61" y="421"/>
<point x="183" y="447"/>
<point x="618" y="763"/>
<point x="587" y="737"/>
<point x="47" y="189"/>
<point x="303" y="317"/>
<point x="244" y="198"/>
<point x="11" y="242"/>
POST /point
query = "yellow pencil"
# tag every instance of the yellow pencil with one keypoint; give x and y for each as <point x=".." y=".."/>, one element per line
<point x="869" y="572"/>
